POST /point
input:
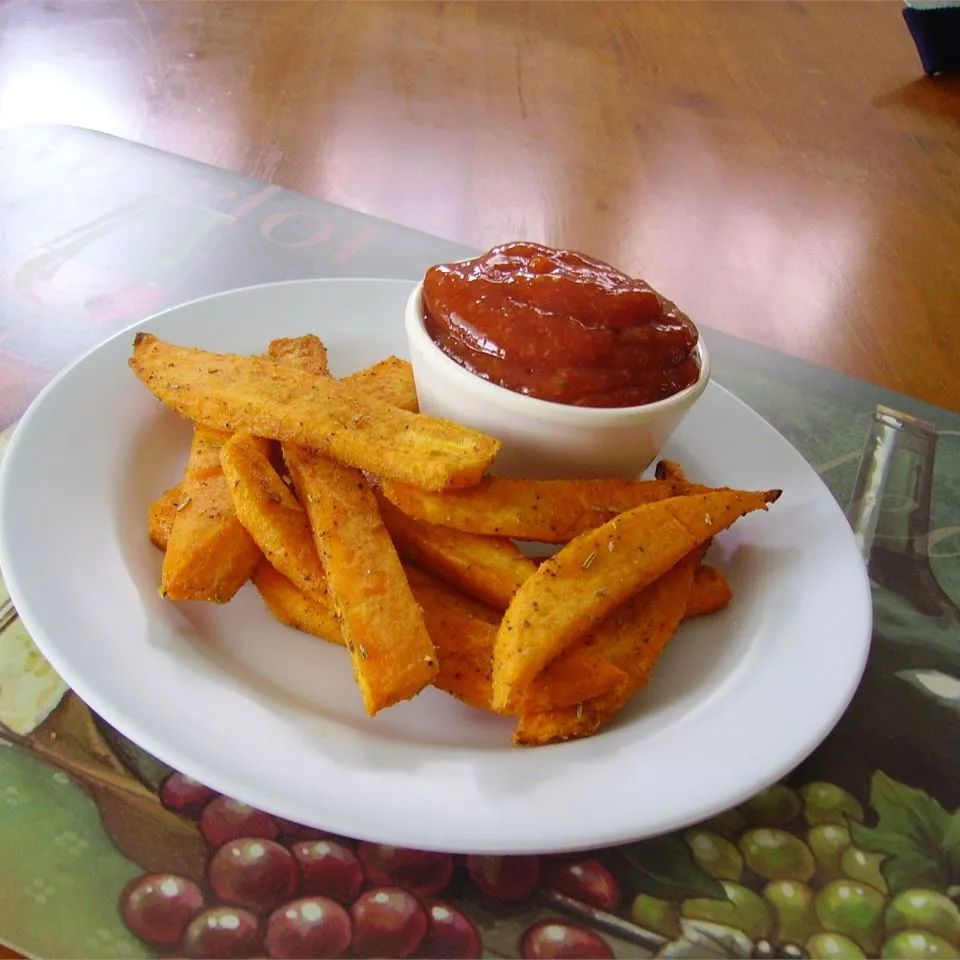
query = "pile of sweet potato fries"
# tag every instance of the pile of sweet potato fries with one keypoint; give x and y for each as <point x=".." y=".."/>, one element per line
<point x="365" y="523"/>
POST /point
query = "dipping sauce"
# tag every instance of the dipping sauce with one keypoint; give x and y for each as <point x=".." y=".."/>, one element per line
<point x="560" y="326"/>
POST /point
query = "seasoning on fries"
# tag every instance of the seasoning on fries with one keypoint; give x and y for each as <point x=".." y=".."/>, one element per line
<point x="363" y="522"/>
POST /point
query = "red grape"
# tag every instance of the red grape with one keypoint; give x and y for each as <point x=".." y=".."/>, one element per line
<point x="224" y="820"/>
<point x="387" y="922"/>
<point x="220" y="933"/>
<point x="510" y="879"/>
<point x="253" y="873"/>
<point x="312" y="927"/>
<point x="559" y="940"/>
<point x="588" y="881"/>
<point x="328" y="869"/>
<point x="185" y="795"/>
<point x="452" y="935"/>
<point x="419" y="871"/>
<point x="157" y="907"/>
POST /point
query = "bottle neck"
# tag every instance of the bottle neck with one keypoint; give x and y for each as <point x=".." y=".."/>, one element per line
<point x="890" y="506"/>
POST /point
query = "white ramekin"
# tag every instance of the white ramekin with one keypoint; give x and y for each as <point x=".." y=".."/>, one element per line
<point x="542" y="438"/>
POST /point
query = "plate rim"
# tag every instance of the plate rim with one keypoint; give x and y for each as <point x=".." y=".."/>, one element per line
<point x="597" y="837"/>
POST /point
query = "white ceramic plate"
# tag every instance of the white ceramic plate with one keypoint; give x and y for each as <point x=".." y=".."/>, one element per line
<point x="272" y="716"/>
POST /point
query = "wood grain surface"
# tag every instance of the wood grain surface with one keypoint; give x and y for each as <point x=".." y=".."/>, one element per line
<point x="783" y="171"/>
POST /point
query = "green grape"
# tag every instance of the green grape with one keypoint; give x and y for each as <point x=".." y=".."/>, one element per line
<point x="833" y="946"/>
<point x="660" y="916"/>
<point x="729" y="824"/>
<point x="924" y="910"/>
<point x="828" y="803"/>
<point x="853" y="909"/>
<point x="793" y="904"/>
<point x="743" y="909"/>
<point x="777" y="855"/>
<point x="714" y="854"/>
<point x="774" y="807"/>
<point x="864" y="866"/>
<point x="917" y="945"/>
<point x="827" y="841"/>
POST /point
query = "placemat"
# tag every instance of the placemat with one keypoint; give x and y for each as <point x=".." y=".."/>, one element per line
<point x="857" y="851"/>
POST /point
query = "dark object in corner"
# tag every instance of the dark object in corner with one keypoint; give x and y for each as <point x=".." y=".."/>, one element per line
<point x="936" y="32"/>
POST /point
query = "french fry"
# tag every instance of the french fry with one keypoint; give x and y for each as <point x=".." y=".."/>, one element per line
<point x="489" y="568"/>
<point x="596" y="572"/>
<point x="464" y="638"/>
<point x="570" y="723"/>
<point x="306" y="353"/>
<point x="381" y="623"/>
<point x="571" y="680"/>
<point x="293" y="607"/>
<point x="632" y="639"/>
<point x="634" y="636"/>
<point x="272" y="515"/>
<point x="209" y="553"/>
<point x="160" y="516"/>
<point x="267" y="399"/>
<point x="463" y="634"/>
<point x="709" y="593"/>
<point x="390" y="381"/>
<point x="551" y="511"/>
<point x="670" y="470"/>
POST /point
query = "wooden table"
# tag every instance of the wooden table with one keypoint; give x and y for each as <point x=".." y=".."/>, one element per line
<point x="783" y="171"/>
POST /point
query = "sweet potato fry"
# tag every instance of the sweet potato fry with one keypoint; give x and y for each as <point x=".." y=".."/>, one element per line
<point x="381" y="624"/>
<point x="272" y="515"/>
<point x="571" y="679"/>
<point x="634" y="636"/>
<point x="306" y="353"/>
<point x="209" y="553"/>
<point x="489" y="568"/>
<point x="293" y="607"/>
<point x="464" y="638"/>
<point x="570" y="723"/>
<point x="551" y="511"/>
<point x="160" y="516"/>
<point x="709" y="593"/>
<point x="631" y="639"/>
<point x="596" y="572"/>
<point x="268" y="399"/>
<point x="463" y="634"/>
<point x="390" y="381"/>
<point x="670" y="470"/>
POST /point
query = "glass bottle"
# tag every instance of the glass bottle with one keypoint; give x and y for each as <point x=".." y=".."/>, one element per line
<point x="905" y="717"/>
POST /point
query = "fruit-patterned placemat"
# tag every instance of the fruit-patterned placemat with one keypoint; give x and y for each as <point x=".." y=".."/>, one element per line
<point x="105" y="852"/>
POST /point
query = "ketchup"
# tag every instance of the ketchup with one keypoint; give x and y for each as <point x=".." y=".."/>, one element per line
<point x="560" y="326"/>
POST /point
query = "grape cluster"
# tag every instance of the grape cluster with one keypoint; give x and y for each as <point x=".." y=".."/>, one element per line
<point x="279" y="888"/>
<point x="798" y="886"/>
<point x="276" y="887"/>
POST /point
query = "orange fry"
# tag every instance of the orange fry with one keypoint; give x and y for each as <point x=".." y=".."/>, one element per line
<point x="293" y="607"/>
<point x="631" y="638"/>
<point x="390" y="381"/>
<point x="160" y="516"/>
<point x="382" y="626"/>
<point x="489" y="568"/>
<point x="272" y="515"/>
<point x="596" y="572"/>
<point x="464" y="638"/>
<point x="709" y="593"/>
<point x="209" y="553"/>
<point x="267" y="399"/>
<point x="306" y="353"/>
<point x="551" y="511"/>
